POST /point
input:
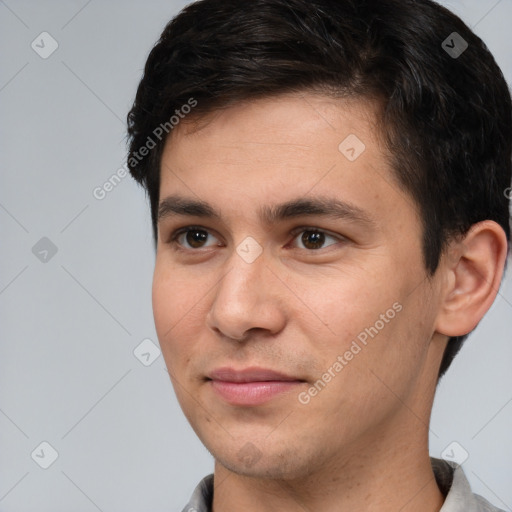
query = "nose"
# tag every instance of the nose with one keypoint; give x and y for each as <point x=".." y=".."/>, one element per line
<point x="250" y="297"/>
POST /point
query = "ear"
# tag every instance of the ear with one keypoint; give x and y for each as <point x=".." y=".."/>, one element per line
<point x="473" y="270"/>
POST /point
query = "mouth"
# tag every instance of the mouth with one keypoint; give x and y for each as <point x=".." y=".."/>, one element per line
<point x="251" y="386"/>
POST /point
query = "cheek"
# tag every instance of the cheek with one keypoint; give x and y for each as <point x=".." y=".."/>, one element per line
<point x="366" y="322"/>
<point x="174" y="306"/>
<point x="174" y="298"/>
<point x="345" y="302"/>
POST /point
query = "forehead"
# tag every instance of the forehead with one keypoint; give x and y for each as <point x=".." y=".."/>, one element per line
<point x="275" y="149"/>
<point x="279" y="113"/>
<point x="297" y="131"/>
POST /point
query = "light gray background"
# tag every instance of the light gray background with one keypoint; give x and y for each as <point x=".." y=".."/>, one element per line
<point x="68" y="375"/>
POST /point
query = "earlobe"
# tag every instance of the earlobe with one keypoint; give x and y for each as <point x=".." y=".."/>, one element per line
<point x="474" y="269"/>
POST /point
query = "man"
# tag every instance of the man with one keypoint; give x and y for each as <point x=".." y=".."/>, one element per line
<point x="327" y="185"/>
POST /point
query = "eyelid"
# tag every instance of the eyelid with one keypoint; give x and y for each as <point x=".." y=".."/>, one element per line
<point x="299" y="229"/>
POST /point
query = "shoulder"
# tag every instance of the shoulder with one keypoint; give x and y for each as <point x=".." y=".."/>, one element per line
<point x="201" y="499"/>
<point x="454" y="484"/>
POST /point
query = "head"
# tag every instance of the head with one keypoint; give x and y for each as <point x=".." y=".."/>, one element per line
<point x="228" y="90"/>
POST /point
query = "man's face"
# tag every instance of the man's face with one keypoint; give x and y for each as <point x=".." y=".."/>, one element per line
<point x="296" y="341"/>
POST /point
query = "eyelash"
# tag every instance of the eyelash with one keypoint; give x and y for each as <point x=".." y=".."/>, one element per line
<point x="177" y="246"/>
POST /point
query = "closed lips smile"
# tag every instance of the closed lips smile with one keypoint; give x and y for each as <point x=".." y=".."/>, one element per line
<point x="250" y="386"/>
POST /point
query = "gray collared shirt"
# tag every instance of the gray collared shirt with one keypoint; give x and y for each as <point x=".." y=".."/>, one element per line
<point x="449" y="476"/>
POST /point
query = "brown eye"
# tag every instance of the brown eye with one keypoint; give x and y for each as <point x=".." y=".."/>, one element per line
<point x="314" y="239"/>
<point x="196" y="237"/>
<point x="191" y="237"/>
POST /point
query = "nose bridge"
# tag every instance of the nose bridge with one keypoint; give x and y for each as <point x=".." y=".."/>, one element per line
<point x="244" y="298"/>
<point x="243" y="286"/>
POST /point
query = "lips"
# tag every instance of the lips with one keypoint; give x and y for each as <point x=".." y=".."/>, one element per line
<point x="251" y="386"/>
<point x="249" y="375"/>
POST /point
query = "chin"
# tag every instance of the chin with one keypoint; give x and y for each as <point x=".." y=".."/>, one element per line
<point x="252" y="462"/>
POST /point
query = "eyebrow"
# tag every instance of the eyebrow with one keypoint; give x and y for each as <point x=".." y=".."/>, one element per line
<point x="328" y="207"/>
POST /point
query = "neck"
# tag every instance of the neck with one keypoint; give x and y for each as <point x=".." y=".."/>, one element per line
<point x="387" y="469"/>
<point x="370" y="479"/>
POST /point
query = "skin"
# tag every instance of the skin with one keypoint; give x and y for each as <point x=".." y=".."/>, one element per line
<point x="361" y="443"/>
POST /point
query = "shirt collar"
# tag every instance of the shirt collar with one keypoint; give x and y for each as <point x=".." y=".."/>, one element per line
<point x="449" y="476"/>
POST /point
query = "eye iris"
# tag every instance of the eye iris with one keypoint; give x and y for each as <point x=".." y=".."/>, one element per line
<point x="314" y="238"/>
<point x="195" y="237"/>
